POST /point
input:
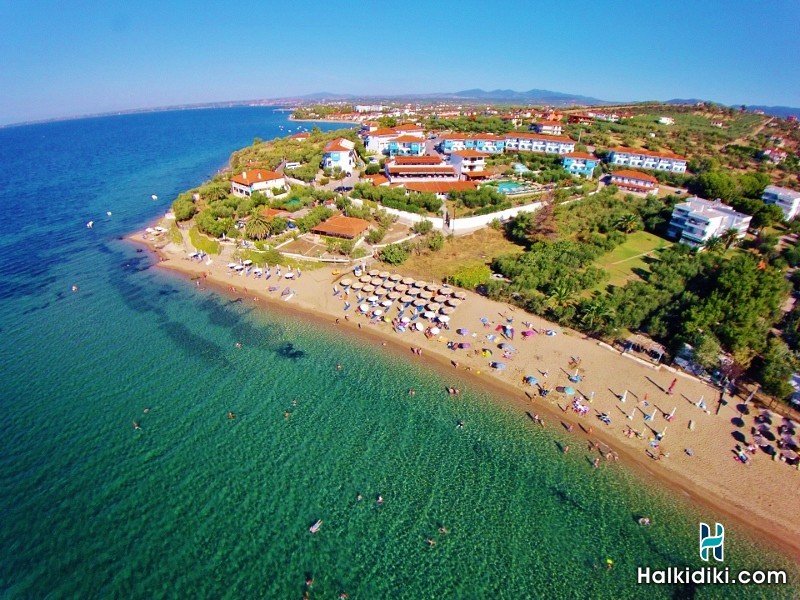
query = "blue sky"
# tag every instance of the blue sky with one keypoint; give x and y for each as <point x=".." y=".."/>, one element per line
<point x="69" y="58"/>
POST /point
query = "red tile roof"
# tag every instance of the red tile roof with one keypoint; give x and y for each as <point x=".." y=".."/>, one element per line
<point x="405" y="139"/>
<point x="584" y="155"/>
<point x="341" y="226"/>
<point x="647" y="153"/>
<point x="476" y="174"/>
<point x="301" y="136"/>
<point x="337" y="146"/>
<point x="470" y="153"/>
<point x="254" y="176"/>
<point x="548" y="123"/>
<point x="382" y="132"/>
<point x="275" y="212"/>
<point x="487" y="136"/>
<point x="377" y="179"/>
<point x="401" y="169"/>
<point x="439" y="187"/>
<point x="408" y="127"/>
<point x="628" y="174"/>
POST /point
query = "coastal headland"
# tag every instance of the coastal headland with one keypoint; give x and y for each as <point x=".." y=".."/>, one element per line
<point x="692" y="452"/>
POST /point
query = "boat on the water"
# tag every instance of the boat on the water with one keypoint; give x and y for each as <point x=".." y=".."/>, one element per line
<point x="315" y="527"/>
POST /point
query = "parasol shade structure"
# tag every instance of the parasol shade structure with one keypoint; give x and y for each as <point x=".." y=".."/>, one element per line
<point x="431" y="287"/>
<point x="446" y="310"/>
<point x="439" y="298"/>
<point x="419" y="284"/>
<point x="413" y="292"/>
<point x="531" y="380"/>
<point x="358" y="285"/>
<point x="428" y="314"/>
<point x="453" y="302"/>
<point x="372" y="299"/>
<point x="400" y="287"/>
<point x="378" y="312"/>
<point x="426" y="295"/>
<point x="369" y="288"/>
<point x="383" y="274"/>
<point x="406" y="299"/>
<point x="376" y="281"/>
<point x="405" y="320"/>
<point x="363" y="307"/>
<point x="434" y="306"/>
<point x="386" y="303"/>
<point x="393" y="295"/>
<point x="346" y="281"/>
<point x="435" y="330"/>
<point x="365" y="279"/>
<point x="419" y="302"/>
<point x="408" y="280"/>
<point x="373" y="272"/>
<point x="395" y="277"/>
<point x="443" y="318"/>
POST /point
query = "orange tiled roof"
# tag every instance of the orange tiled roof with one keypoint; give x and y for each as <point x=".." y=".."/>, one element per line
<point x="301" y="136"/>
<point x="377" y="179"/>
<point x="628" y="174"/>
<point x="407" y="138"/>
<point x="341" y="226"/>
<point x="398" y="169"/>
<point x="408" y="127"/>
<point x="470" y="153"/>
<point x="337" y="146"/>
<point x="255" y="176"/>
<point x="382" y="132"/>
<point x="538" y="136"/>
<point x="476" y="174"/>
<point x="274" y="212"/>
<point x="428" y="159"/>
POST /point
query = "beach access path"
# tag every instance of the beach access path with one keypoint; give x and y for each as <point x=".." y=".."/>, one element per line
<point x="761" y="494"/>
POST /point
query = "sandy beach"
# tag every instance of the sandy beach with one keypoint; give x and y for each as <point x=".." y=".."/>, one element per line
<point x="695" y="454"/>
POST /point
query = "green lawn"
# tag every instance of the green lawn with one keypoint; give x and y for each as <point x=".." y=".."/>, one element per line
<point x="622" y="260"/>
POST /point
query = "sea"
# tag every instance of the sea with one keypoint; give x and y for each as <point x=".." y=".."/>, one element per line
<point x="194" y="504"/>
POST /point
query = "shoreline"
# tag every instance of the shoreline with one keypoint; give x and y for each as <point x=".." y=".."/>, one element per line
<point x="730" y="496"/>
<point x="291" y="118"/>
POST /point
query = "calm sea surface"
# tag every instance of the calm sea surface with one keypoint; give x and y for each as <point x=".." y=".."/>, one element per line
<point x="197" y="505"/>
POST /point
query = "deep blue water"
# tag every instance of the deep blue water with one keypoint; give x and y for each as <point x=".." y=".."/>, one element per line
<point x="197" y="505"/>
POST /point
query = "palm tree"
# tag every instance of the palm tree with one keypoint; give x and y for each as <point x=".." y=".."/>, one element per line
<point x="730" y="238"/>
<point x="561" y="295"/>
<point x="257" y="227"/>
<point x="713" y="244"/>
<point x="628" y="222"/>
<point x="595" y="314"/>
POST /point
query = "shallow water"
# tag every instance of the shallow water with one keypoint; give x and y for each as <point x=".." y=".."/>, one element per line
<point x="197" y="504"/>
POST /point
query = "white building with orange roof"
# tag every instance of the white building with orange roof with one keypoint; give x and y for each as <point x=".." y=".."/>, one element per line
<point x="339" y="153"/>
<point x="261" y="181"/>
<point x="301" y="137"/>
<point x="647" y="159"/>
<point x="410" y="129"/>
<point x="419" y="168"/>
<point x="634" y="181"/>
<point x="377" y="140"/>
<point x="523" y="141"/>
<point x="469" y="163"/>
<point x="547" y="127"/>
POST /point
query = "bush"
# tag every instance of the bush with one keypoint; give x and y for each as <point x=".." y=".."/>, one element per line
<point x="423" y="227"/>
<point x="436" y="241"/>
<point x="184" y="208"/>
<point x="395" y="254"/>
<point x="471" y="277"/>
<point x="374" y="236"/>
<point x="372" y="169"/>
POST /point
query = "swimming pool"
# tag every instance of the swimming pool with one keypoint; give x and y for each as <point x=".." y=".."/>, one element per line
<point x="508" y="187"/>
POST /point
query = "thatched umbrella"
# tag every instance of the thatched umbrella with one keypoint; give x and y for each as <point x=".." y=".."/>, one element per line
<point x="419" y="302"/>
<point x="419" y="284"/>
<point x="358" y="285"/>
<point x="376" y="281"/>
<point x="413" y="291"/>
<point x="454" y="301"/>
<point x="447" y="310"/>
<point x="401" y="287"/>
<point x="368" y="288"/>
<point x="381" y="291"/>
<point x="426" y="295"/>
<point x="439" y="298"/>
<point x="406" y="299"/>
<point x="373" y="272"/>
<point x="364" y="278"/>
<point x="346" y="281"/>
<point x="408" y="280"/>
<point x="393" y="295"/>
<point x="431" y="287"/>
<point x="434" y="306"/>
<point x="383" y="274"/>
<point x="395" y="277"/>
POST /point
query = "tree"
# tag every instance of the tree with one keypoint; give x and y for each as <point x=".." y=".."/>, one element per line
<point x="257" y="227"/>
<point x="422" y="227"/>
<point x="628" y="222"/>
<point x="436" y="241"/>
<point x="595" y="314"/>
<point x="395" y="254"/>
<point x="714" y="184"/>
<point x="183" y="208"/>
<point x="777" y="365"/>
<point x="713" y="244"/>
<point x="729" y="238"/>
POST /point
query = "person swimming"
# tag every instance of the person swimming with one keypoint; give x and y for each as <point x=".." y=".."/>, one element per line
<point x="443" y="530"/>
<point x="380" y="500"/>
<point x="459" y="424"/>
<point x="136" y="426"/>
<point x="231" y="415"/>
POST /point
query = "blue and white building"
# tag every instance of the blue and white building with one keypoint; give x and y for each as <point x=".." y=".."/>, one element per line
<point x="646" y="159"/>
<point x="580" y="163"/>
<point x="536" y="142"/>
<point x="696" y="221"/>
<point x="788" y="200"/>
<point x="481" y="142"/>
<point x="339" y="153"/>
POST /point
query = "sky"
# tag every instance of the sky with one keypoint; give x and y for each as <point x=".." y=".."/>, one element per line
<point x="61" y="59"/>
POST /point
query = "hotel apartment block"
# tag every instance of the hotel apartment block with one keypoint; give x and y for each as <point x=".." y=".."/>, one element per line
<point x="697" y="220"/>
<point x="646" y="159"/>
<point x="788" y="200"/>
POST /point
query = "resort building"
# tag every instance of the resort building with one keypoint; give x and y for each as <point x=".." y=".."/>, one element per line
<point x="482" y="142"/>
<point x="341" y="227"/>
<point x="469" y="164"/>
<point x="405" y="140"/>
<point x="377" y="140"/>
<point x="406" y="145"/>
<point x="419" y="168"/>
<point x="547" y="127"/>
<point x="788" y="200"/>
<point x="536" y="142"/>
<point x="634" y="181"/>
<point x="646" y="159"/>
<point x="580" y="119"/>
<point x="257" y="180"/>
<point x="774" y="155"/>
<point x="410" y="129"/>
<point x="697" y="220"/>
<point x="339" y="153"/>
<point x="301" y="137"/>
<point x="580" y="163"/>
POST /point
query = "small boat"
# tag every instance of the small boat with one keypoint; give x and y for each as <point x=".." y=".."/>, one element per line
<point x="90" y="224"/>
<point x="315" y="527"/>
<point x="154" y="197"/>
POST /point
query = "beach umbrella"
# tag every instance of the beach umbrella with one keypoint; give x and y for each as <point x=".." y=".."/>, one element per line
<point x="365" y="279"/>
<point x="247" y="262"/>
<point x="378" y="312"/>
<point x="426" y="295"/>
<point x="499" y="366"/>
<point x="393" y="295"/>
<point x="486" y="352"/>
<point x="373" y="272"/>
<point x="418" y="326"/>
<point x="368" y="288"/>
<point x="346" y="281"/>
<point x="405" y="320"/>
<point x="431" y="287"/>
<point x="363" y="307"/>
<point x="508" y="347"/>
<point x="569" y="391"/>
<point x="408" y="280"/>
<point x="372" y="299"/>
<point x="231" y="265"/>
<point x="413" y="292"/>
<point x="446" y="310"/>
<point x="528" y="333"/>
<point x="462" y="331"/>
<point x="383" y="274"/>
<point x="428" y="314"/>
<point x="381" y="291"/>
<point x="465" y="345"/>
<point x="419" y="284"/>
<point x="401" y="287"/>
<point x="443" y="318"/>
<point x="406" y="299"/>
<point x="419" y="302"/>
<point x="434" y="306"/>
<point x="531" y="380"/>
<point x="460" y="295"/>
<point x="439" y="298"/>
<point x="435" y="330"/>
<point x="395" y="277"/>
<point x="386" y="303"/>
<point x="376" y="281"/>
<point x="358" y="285"/>
<point x="453" y="301"/>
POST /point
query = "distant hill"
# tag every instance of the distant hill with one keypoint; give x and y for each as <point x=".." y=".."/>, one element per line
<point x="775" y="111"/>
<point x="510" y="96"/>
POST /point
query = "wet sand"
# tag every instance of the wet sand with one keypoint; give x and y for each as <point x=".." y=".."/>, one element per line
<point x="759" y="495"/>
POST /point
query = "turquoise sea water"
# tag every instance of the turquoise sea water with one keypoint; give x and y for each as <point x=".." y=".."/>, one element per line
<point x="198" y="505"/>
